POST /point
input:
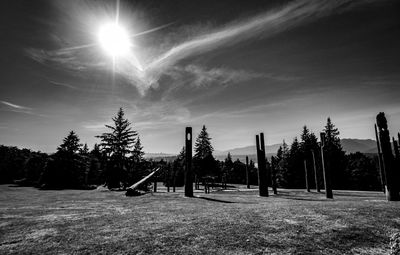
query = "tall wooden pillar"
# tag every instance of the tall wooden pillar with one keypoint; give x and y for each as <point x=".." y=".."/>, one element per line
<point x="380" y="161"/>
<point x="392" y="192"/>
<point x="396" y="148"/>
<point x="306" y="175"/>
<point x="315" y="172"/>
<point x="247" y="173"/>
<point x="326" y="170"/>
<point x="188" y="163"/>
<point x="262" y="166"/>
<point x="273" y="175"/>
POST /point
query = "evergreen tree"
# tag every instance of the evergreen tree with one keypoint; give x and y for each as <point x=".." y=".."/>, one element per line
<point x="84" y="150"/>
<point x="137" y="153"/>
<point x="334" y="155"/>
<point x="117" y="144"/>
<point x="282" y="157"/>
<point x="203" y="147"/>
<point x="70" y="143"/>
<point x="309" y="144"/>
<point x="121" y="138"/>
<point x="227" y="169"/>
<point x="295" y="175"/>
<point x="66" y="168"/>
<point x="203" y="161"/>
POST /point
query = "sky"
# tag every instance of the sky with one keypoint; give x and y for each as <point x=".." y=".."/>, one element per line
<point x="238" y="67"/>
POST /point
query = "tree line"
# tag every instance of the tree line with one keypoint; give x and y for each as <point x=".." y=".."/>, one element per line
<point x="118" y="162"/>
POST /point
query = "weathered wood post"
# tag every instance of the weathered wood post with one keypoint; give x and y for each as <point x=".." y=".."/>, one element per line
<point x="306" y="175"/>
<point x="380" y="161"/>
<point x="396" y="148"/>
<point x="174" y="183"/>
<point x="315" y="172"/>
<point x="273" y="175"/>
<point x="247" y="173"/>
<point x="168" y="179"/>
<point x="392" y="189"/>
<point x="155" y="185"/>
<point x="326" y="170"/>
<point x="262" y="168"/>
<point x="188" y="163"/>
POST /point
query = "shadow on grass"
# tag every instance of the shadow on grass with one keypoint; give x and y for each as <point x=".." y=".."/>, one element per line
<point x="304" y="199"/>
<point x="216" y="200"/>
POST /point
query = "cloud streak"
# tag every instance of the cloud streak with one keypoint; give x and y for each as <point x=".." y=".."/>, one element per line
<point x="15" y="106"/>
<point x="144" y="75"/>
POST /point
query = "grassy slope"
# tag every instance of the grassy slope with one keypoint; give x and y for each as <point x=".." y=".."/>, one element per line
<point x="33" y="221"/>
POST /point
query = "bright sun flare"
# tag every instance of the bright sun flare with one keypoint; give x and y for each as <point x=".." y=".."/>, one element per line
<point x="114" y="39"/>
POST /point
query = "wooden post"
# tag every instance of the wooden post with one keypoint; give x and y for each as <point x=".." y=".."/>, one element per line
<point x="306" y="175"/>
<point x="380" y="161"/>
<point x="396" y="148"/>
<point x="247" y="173"/>
<point x="315" y="172"/>
<point x="273" y="176"/>
<point x="168" y="179"/>
<point x="262" y="171"/>
<point x="327" y="179"/>
<point x="392" y="189"/>
<point x="155" y="185"/>
<point x="188" y="161"/>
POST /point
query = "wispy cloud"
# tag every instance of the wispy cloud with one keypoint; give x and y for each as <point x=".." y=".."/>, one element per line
<point x="20" y="109"/>
<point x="15" y="106"/>
<point x="202" y="76"/>
<point x="62" y="84"/>
<point x="143" y="75"/>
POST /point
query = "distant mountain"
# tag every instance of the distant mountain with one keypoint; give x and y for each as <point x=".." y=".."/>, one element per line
<point x="248" y="150"/>
<point x="349" y="145"/>
<point x="158" y="155"/>
<point x="358" y="145"/>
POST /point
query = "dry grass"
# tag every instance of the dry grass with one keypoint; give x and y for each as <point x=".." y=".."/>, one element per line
<point x="236" y="222"/>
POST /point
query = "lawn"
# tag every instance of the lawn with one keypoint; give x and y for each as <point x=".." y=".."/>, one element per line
<point x="223" y="222"/>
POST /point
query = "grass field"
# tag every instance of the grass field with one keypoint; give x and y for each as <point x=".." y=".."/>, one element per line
<point x="235" y="222"/>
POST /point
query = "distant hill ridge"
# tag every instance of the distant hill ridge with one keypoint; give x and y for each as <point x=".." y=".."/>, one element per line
<point x="349" y="145"/>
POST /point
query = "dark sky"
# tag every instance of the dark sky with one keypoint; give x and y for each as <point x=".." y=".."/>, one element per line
<point x="239" y="68"/>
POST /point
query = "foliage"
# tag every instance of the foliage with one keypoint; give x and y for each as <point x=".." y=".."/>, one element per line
<point x="334" y="155"/>
<point x="137" y="152"/>
<point x="117" y="144"/>
<point x="361" y="172"/>
<point x="204" y="162"/>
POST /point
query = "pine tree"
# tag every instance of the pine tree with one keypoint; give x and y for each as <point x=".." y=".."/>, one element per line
<point x="309" y="144"/>
<point x="70" y="144"/>
<point x="203" y="161"/>
<point x="203" y="147"/>
<point x="137" y="153"/>
<point x="84" y="150"/>
<point x="295" y="166"/>
<point x="117" y="144"/>
<point x="66" y="168"/>
<point x="282" y="157"/>
<point x="332" y="135"/>
<point x="334" y="155"/>
<point x="121" y="138"/>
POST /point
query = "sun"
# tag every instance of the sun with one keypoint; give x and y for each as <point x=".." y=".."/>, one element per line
<point x="114" y="39"/>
